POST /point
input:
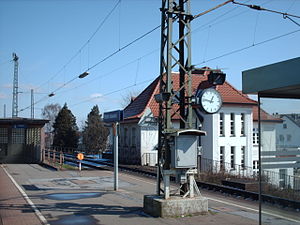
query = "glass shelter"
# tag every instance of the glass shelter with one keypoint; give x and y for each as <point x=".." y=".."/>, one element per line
<point x="21" y="140"/>
<point x="277" y="87"/>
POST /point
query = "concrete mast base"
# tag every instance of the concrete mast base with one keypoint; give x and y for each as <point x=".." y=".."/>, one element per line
<point x="175" y="206"/>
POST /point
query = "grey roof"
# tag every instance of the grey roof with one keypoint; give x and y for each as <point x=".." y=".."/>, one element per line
<point x="293" y="117"/>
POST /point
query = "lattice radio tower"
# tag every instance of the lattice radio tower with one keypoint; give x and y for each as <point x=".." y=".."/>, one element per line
<point x="15" y="86"/>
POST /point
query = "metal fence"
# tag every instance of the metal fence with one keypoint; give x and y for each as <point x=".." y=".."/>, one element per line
<point x="274" y="183"/>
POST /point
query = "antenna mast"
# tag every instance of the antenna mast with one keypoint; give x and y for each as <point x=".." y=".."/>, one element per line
<point x="15" y="86"/>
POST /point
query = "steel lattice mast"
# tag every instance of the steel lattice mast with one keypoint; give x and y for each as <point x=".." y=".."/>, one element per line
<point x="175" y="54"/>
<point x="15" y="86"/>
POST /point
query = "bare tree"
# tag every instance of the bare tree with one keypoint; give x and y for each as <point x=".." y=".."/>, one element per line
<point x="50" y="112"/>
<point x="128" y="97"/>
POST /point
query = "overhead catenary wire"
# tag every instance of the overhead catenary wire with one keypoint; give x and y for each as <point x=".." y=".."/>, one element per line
<point x="108" y="73"/>
<point x="197" y="29"/>
<point x="257" y="7"/>
<point x="226" y="54"/>
<point x="83" y="46"/>
<point x="125" y="46"/>
<point x="5" y="62"/>
<point x="247" y="47"/>
<point x="115" y="52"/>
<point x="113" y="92"/>
<point x="284" y="14"/>
<point x="101" y="61"/>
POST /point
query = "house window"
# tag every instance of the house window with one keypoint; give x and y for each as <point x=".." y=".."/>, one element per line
<point x="243" y="156"/>
<point x="125" y="136"/>
<point x="243" y="124"/>
<point x="18" y="135"/>
<point x="282" y="178"/>
<point x="232" y="124"/>
<point x="3" y="135"/>
<point x="222" y="149"/>
<point x="255" y="136"/>
<point x="133" y="137"/>
<point x="281" y="137"/>
<point x="284" y="126"/>
<point x="232" y="157"/>
<point x="288" y="137"/>
<point x="255" y="164"/>
<point x="221" y="118"/>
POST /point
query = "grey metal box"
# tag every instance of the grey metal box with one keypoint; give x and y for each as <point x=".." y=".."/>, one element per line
<point x="184" y="154"/>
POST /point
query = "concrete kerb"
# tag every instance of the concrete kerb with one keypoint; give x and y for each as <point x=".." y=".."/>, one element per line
<point x="176" y="206"/>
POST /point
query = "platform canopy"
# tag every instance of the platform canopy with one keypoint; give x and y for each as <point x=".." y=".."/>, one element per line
<point x="278" y="80"/>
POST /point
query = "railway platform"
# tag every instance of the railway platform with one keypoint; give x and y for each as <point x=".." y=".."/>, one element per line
<point x="32" y="194"/>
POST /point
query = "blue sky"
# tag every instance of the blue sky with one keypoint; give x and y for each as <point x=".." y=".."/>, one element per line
<point x="47" y="34"/>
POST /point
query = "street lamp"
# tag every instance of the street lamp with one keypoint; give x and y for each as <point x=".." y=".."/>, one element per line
<point x="84" y="74"/>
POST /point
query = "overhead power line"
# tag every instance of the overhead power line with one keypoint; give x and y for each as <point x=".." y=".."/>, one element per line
<point x="98" y="63"/>
<point x="2" y="63"/>
<point x="84" y="45"/>
<point x="257" y="7"/>
<point x="124" y="47"/>
<point x="108" y="73"/>
<point x="149" y="32"/>
<point x="114" y="91"/>
<point x="247" y="47"/>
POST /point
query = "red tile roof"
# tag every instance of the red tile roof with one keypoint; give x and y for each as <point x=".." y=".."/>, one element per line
<point x="229" y="94"/>
<point x="264" y="116"/>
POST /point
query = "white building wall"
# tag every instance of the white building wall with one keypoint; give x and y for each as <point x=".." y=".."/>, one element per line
<point x="238" y="140"/>
<point x="207" y="141"/>
<point x="287" y="133"/>
<point x="149" y="140"/>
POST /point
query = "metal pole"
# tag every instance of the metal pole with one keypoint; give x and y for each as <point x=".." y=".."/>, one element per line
<point x="116" y="163"/>
<point x="259" y="161"/>
<point x="32" y="105"/>
<point x="4" y="111"/>
<point x="162" y="86"/>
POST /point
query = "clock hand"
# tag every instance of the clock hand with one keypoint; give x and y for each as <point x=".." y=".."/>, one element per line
<point x="212" y="99"/>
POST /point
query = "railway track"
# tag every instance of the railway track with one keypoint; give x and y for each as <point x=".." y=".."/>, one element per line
<point x="151" y="172"/>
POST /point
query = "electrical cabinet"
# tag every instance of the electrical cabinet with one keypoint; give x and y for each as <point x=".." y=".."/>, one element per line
<point x="184" y="151"/>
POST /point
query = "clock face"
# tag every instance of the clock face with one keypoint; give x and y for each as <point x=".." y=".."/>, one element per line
<point x="210" y="100"/>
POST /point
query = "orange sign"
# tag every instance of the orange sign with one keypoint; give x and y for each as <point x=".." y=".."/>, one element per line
<point x="80" y="156"/>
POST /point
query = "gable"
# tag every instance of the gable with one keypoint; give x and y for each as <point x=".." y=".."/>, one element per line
<point x="229" y="94"/>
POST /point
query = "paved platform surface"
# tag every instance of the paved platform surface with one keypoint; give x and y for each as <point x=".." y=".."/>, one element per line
<point x="87" y="198"/>
<point x="13" y="207"/>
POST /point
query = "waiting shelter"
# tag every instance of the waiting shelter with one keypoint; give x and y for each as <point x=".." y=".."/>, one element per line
<point x="278" y="89"/>
<point x="21" y="140"/>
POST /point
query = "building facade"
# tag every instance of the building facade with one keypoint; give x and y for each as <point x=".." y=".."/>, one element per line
<point x="21" y="140"/>
<point x="229" y="139"/>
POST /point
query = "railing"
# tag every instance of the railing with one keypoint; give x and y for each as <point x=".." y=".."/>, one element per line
<point x="275" y="184"/>
<point x="53" y="158"/>
<point x="149" y="159"/>
<point x="214" y="166"/>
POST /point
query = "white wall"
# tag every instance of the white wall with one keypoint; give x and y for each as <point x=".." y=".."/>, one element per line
<point x="238" y="140"/>
<point x="291" y="129"/>
<point x="149" y="140"/>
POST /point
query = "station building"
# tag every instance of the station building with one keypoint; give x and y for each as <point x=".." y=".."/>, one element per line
<point x="21" y="140"/>
<point x="229" y="143"/>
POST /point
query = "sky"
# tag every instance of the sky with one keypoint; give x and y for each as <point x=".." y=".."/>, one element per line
<point x="57" y="40"/>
